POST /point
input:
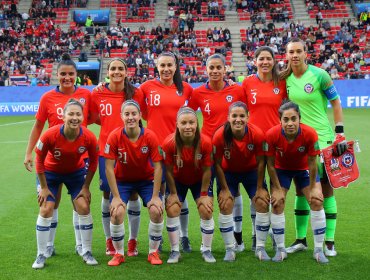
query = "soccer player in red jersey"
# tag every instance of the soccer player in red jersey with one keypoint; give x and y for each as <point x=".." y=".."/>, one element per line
<point x="239" y="158"/>
<point x="106" y="110"/>
<point x="51" y="110"/>
<point x="133" y="165"/>
<point x="164" y="97"/>
<point x="291" y="150"/>
<point x="188" y="160"/>
<point x="214" y="97"/>
<point x="265" y="93"/>
<point x="60" y="160"/>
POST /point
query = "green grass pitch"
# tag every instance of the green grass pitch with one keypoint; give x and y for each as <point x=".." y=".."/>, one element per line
<point x="18" y="212"/>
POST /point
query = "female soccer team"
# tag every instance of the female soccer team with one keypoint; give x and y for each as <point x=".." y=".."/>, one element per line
<point x="245" y="128"/>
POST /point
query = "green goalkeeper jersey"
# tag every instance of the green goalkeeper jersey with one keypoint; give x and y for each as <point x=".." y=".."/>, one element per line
<point x="311" y="92"/>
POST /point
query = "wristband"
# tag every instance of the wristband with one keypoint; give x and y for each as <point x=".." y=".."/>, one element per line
<point x="339" y="129"/>
<point x="203" y="193"/>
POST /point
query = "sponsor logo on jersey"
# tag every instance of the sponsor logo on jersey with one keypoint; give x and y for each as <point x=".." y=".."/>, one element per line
<point x="107" y="148"/>
<point x="57" y="104"/>
<point x="199" y="156"/>
<point x="347" y="160"/>
<point x="144" y="149"/>
<point x="82" y="101"/>
<point x="276" y="90"/>
<point x="301" y="149"/>
<point x="178" y="93"/>
<point x="81" y="149"/>
<point x="308" y="88"/>
<point x="250" y="147"/>
<point x="229" y="98"/>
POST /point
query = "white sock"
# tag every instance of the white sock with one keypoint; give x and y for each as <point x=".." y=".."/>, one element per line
<point x="184" y="219"/>
<point x="53" y="228"/>
<point x="238" y="213"/>
<point x="227" y="229"/>
<point x="42" y="233"/>
<point x="207" y="228"/>
<point x="318" y="224"/>
<point x="76" y="226"/>
<point x="133" y="211"/>
<point x="118" y="236"/>
<point x="253" y="217"/>
<point x="86" y="227"/>
<point x="173" y="225"/>
<point x="262" y="228"/>
<point x="278" y="229"/>
<point x="155" y="236"/>
<point x="105" y="217"/>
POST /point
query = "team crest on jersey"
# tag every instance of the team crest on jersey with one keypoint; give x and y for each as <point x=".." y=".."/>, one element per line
<point x="199" y="156"/>
<point x="308" y="88"/>
<point x="347" y="160"/>
<point x="144" y="149"/>
<point x="250" y="147"/>
<point x="276" y="90"/>
<point x="39" y="145"/>
<point x="229" y="98"/>
<point x="301" y="149"/>
<point x="334" y="164"/>
<point x="81" y="149"/>
<point x="178" y="93"/>
<point x="82" y="101"/>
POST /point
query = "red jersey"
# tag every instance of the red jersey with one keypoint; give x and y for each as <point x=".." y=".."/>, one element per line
<point x="241" y="157"/>
<point x="52" y="104"/>
<point x="133" y="159"/>
<point x="107" y="105"/>
<point x="162" y="104"/>
<point x="215" y="105"/>
<point x="185" y="171"/>
<point x="57" y="154"/>
<point x="263" y="101"/>
<point x="292" y="156"/>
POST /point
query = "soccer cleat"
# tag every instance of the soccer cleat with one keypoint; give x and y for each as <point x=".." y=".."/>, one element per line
<point x="298" y="245"/>
<point x="254" y="242"/>
<point x="174" y="257"/>
<point x="185" y="244"/>
<point x="280" y="255"/>
<point x="89" y="259"/>
<point x="239" y="247"/>
<point x="330" y="249"/>
<point x="230" y="255"/>
<point x="39" y="262"/>
<point x="50" y="251"/>
<point x="208" y="257"/>
<point x="154" y="258"/>
<point x="109" y="248"/>
<point x="132" y="248"/>
<point x="261" y="254"/>
<point x="116" y="260"/>
<point x="319" y="256"/>
<point x="78" y="249"/>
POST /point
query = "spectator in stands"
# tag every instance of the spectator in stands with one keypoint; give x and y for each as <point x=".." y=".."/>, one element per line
<point x="190" y="23"/>
<point x="166" y="26"/>
<point x="241" y="77"/>
<point x="171" y="12"/>
<point x="319" y="17"/>
<point x="89" y="22"/>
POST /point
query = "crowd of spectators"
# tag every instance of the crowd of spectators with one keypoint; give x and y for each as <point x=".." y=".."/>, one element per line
<point x="341" y="51"/>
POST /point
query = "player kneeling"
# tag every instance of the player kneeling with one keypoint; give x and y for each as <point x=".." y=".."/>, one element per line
<point x="188" y="160"/>
<point x="133" y="164"/>
<point x="60" y="155"/>
<point x="291" y="150"/>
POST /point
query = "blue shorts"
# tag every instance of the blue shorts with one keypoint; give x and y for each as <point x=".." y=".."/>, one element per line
<point x="143" y="188"/>
<point x="195" y="189"/>
<point x="103" y="182"/>
<point x="301" y="178"/>
<point x="248" y="179"/>
<point x="73" y="181"/>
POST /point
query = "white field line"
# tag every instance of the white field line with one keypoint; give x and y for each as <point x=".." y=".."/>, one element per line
<point x="15" y="123"/>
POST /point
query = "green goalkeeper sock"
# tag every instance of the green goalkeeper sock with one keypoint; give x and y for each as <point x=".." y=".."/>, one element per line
<point x="330" y="207"/>
<point x="302" y="215"/>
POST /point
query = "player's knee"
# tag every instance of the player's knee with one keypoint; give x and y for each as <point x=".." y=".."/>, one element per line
<point x="261" y="206"/>
<point x="173" y="210"/>
<point x="106" y="195"/>
<point x="47" y="211"/>
<point x="117" y="215"/>
<point x="316" y="204"/>
<point x="227" y="207"/>
<point x="204" y="213"/>
<point x="278" y="208"/>
<point x="155" y="214"/>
